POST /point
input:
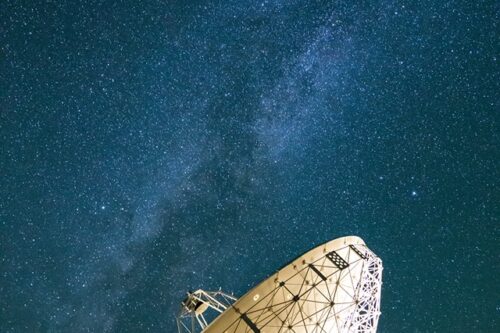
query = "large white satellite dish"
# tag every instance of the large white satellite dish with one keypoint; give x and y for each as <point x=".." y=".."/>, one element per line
<point x="332" y="288"/>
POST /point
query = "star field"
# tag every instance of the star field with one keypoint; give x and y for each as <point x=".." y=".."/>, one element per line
<point x="148" y="148"/>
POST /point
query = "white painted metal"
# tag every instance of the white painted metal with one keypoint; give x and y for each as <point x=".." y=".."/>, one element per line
<point x="191" y="317"/>
<point x="333" y="288"/>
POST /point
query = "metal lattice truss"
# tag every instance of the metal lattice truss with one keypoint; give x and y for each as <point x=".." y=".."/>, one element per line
<point x="191" y="317"/>
<point x="333" y="288"/>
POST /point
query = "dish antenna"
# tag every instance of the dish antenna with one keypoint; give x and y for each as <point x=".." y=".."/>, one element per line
<point x="332" y="288"/>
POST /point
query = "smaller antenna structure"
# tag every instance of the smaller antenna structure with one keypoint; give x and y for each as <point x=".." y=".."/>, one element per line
<point x="200" y="307"/>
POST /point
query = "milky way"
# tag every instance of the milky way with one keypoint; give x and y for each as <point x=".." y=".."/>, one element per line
<point x="148" y="149"/>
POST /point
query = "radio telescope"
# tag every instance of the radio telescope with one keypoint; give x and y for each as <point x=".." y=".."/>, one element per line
<point x="332" y="288"/>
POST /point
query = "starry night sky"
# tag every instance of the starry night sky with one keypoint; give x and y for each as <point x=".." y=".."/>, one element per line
<point x="152" y="147"/>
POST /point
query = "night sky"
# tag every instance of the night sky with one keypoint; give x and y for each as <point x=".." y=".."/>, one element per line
<point x="148" y="148"/>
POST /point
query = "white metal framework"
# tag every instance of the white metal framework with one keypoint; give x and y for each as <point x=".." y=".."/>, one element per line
<point x="191" y="317"/>
<point x="333" y="288"/>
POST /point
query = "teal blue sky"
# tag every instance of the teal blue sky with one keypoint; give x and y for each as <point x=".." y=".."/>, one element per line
<point x="148" y="148"/>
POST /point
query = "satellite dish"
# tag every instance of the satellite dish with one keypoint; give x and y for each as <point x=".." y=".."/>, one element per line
<point x="332" y="288"/>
